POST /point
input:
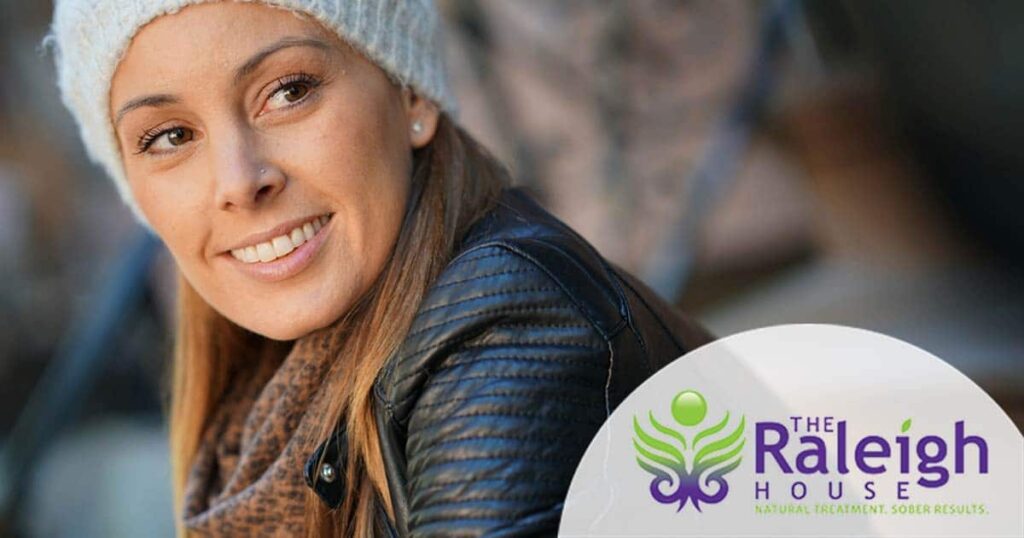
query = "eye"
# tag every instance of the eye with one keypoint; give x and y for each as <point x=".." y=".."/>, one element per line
<point x="164" y="140"/>
<point x="290" y="91"/>
<point x="293" y="92"/>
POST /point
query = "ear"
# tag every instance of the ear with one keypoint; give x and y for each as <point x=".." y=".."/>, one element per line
<point x="421" y="110"/>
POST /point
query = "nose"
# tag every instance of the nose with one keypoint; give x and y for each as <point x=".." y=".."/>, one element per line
<point x="244" y="179"/>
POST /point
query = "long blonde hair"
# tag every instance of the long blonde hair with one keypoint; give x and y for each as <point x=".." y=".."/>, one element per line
<point x="454" y="182"/>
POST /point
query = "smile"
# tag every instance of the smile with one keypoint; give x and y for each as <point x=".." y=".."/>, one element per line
<point x="282" y="245"/>
<point x="283" y="252"/>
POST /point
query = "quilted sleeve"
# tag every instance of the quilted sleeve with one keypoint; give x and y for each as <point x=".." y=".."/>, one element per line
<point x="504" y="417"/>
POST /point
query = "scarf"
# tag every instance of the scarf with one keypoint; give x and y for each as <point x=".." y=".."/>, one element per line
<point x="247" y="476"/>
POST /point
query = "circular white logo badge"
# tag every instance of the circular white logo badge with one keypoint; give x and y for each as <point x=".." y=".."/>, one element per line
<point x="803" y="430"/>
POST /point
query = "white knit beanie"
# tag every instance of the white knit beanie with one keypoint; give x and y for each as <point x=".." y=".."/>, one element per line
<point x="89" y="38"/>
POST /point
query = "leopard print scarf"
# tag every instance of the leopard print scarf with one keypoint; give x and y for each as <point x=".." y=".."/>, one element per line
<point x="247" y="476"/>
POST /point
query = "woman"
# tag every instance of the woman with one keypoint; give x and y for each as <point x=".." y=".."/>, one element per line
<point x="376" y="336"/>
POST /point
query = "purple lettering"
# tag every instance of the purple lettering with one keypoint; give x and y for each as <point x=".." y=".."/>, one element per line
<point x="761" y="447"/>
<point x="839" y="493"/>
<point x="901" y="490"/>
<point x="869" y="487"/>
<point x="904" y="443"/>
<point x="816" y="452"/>
<point x="863" y="452"/>
<point x="961" y="444"/>
<point x="841" y="455"/>
<point x="927" y="460"/>
<point x="803" y="490"/>
<point x="758" y="489"/>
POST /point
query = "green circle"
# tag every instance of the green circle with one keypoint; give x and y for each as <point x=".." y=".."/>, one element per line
<point x="689" y="408"/>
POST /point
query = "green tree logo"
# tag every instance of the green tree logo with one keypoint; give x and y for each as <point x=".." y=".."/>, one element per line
<point x="664" y="452"/>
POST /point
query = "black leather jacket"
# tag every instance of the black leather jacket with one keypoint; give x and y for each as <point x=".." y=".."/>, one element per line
<point x="522" y="347"/>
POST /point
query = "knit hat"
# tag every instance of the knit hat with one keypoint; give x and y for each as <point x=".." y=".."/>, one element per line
<point x="90" y="37"/>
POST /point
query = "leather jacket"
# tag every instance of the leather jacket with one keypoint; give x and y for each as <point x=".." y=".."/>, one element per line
<point x="519" y="352"/>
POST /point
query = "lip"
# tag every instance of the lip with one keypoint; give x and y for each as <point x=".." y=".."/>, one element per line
<point x="281" y="229"/>
<point x="289" y="265"/>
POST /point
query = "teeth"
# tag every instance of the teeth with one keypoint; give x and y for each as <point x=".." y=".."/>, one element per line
<point x="281" y="245"/>
<point x="266" y="252"/>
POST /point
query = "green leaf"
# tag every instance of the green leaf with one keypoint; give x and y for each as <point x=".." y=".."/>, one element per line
<point x="905" y="426"/>
<point x="648" y="441"/>
<point x="666" y="430"/>
<point x="711" y="431"/>
<point x="720" y="444"/>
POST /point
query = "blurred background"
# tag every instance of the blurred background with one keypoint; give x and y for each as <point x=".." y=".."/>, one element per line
<point x="757" y="162"/>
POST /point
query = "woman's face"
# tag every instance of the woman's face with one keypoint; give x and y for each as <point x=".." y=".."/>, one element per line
<point x="271" y="158"/>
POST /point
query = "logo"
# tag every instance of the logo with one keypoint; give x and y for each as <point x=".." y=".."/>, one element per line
<point x="688" y="470"/>
<point x="826" y="450"/>
<point x="802" y="430"/>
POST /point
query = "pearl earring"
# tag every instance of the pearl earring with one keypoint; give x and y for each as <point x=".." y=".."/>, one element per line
<point x="417" y="127"/>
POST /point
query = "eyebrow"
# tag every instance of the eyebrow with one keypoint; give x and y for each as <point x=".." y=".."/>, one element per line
<point x="243" y="71"/>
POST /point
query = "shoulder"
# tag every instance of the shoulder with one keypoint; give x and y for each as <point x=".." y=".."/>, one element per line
<point x="502" y="379"/>
<point x="518" y="353"/>
<point x="522" y="279"/>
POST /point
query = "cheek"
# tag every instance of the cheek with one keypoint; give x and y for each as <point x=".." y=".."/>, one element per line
<point x="343" y="141"/>
<point x="353" y="162"/>
<point x="175" y="209"/>
<point x="356" y="160"/>
<point x="167" y="196"/>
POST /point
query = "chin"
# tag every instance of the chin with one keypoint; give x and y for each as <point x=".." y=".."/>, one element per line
<point x="292" y="314"/>
<point x="279" y="333"/>
<point x="284" y="327"/>
<point x="278" y="330"/>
